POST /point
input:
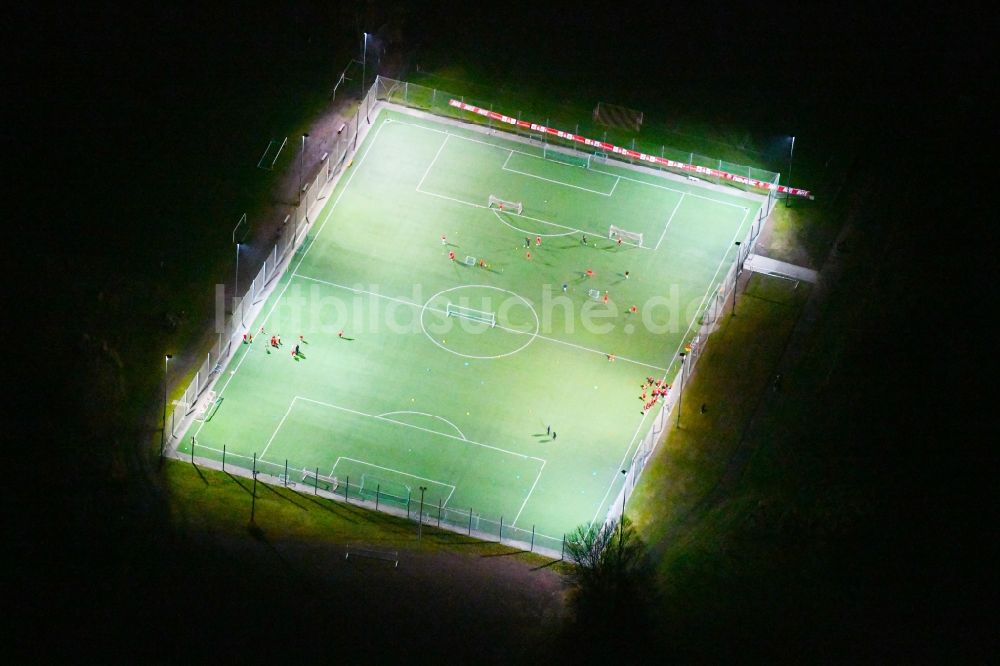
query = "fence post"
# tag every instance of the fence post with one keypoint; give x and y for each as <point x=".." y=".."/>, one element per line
<point x="223" y="457"/>
<point x="316" y="482"/>
<point x="253" y="494"/>
<point x="378" y="487"/>
<point x="407" y="507"/>
<point x="470" y="521"/>
<point x="192" y="449"/>
<point x="439" y="512"/>
<point x="500" y="540"/>
<point x="532" y="548"/>
<point x="286" y="472"/>
<point x="347" y="487"/>
<point x="562" y="553"/>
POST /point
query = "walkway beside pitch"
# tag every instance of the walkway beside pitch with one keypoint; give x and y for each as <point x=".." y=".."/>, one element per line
<point x="760" y="264"/>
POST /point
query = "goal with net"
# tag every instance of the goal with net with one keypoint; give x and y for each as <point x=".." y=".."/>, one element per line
<point x="373" y="486"/>
<point x="320" y="481"/>
<point x="472" y="314"/>
<point x="566" y="156"/>
<point x="634" y="237"/>
<point x="507" y="206"/>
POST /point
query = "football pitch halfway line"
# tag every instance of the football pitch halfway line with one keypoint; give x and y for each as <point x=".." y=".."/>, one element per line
<point x="423" y="306"/>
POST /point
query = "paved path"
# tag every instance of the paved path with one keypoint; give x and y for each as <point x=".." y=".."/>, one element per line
<point x="760" y="264"/>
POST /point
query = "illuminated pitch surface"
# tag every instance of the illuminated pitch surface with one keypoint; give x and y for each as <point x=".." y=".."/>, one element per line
<point x="464" y="412"/>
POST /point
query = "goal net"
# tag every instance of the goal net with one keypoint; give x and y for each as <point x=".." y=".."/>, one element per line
<point x="472" y="314"/>
<point x="373" y="486"/>
<point x="614" y="233"/>
<point x="509" y="206"/>
<point x="566" y="156"/>
<point x="319" y="481"/>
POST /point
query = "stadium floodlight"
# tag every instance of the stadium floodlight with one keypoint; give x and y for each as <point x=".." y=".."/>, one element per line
<point x="736" y="275"/>
<point x="420" y="519"/>
<point x="680" y="390"/>
<point x="163" y="430"/>
<point x="621" y="521"/>
<point x="364" y="61"/>
<point x="237" y="241"/>
<point x="788" y="195"/>
<point x="302" y="158"/>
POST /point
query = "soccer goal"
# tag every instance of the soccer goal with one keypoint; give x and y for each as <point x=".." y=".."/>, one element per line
<point x="509" y="206"/>
<point x="373" y="486"/>
<point x="320" y="481"/>
<point x="566" y="156"/>
<point x="614" y="233"/>
<point x="475" y="315"/>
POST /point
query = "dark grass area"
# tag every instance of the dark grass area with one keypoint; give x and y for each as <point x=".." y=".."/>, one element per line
<point x="131" y="132"/>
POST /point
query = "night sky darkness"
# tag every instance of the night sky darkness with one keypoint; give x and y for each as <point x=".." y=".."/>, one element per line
<point x="127" y="123"/>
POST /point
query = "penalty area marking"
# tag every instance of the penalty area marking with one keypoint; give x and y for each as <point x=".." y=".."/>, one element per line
<point x="405" y="425"/>
<point x="395" y="471"/>
<point x="504" y="167"/>
<point x="433" y="416"/>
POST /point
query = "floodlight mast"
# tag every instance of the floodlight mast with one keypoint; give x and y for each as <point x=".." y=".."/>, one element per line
<point x="788" y="195"/>
<point x="420" y="517"/>
<point x="736" y="275"/>
<point x="680" y="390"/>
<point x="364" y="62"/>
<point x="302" y="157"/>
<point x="163" y="430"/>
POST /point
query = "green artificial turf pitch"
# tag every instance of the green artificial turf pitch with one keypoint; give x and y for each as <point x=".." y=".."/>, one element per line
<point x="409" y="397"/>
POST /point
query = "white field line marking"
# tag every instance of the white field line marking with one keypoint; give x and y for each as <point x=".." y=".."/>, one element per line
<point x="416" y="427"/>
<point x="570" y="232"/>
<point x="347" y="183"/>
<point x="431" y="165"/>
<point x="557" y="182"/>
<point x="278" y="427"/>
<point x="509" y="155"/>
<point x="369" y="293"/>
<point x="291" y="272"/>
<point x="525" y="231"/>
<point x="525" y="502"/>
<point x="247" y="352"/>
<point x="670" y="219"/>
<point x="500" y="326"/>
<point x="435" y="416"/>
<point x="395" y="471"/>
<point x="521" y="152"/>
<point x="711" y="286"/>
<point x="618" y="179"/>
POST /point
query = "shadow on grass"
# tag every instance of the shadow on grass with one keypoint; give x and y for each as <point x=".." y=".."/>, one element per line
<point x="238" y="482"/>
<point x="550" y="563"/>
<point x="200" y="475"/>
<point x="330" y="506"/>
<point x="285" y="497"/>
<point x="257" y="533"/>
<point x="504" y="554"/>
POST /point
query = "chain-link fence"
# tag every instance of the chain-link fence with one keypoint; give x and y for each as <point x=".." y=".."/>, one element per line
<point x="198" y="399"/>
<point x="194" y="403"/>
<point x="437" y="102"/>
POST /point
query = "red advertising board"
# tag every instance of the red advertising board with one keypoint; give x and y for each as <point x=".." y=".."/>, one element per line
<point x="617" y="150"/>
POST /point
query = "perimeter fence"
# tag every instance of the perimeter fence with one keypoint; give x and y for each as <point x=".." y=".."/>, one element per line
<point x="199" y="400"/>
<point x="436" y="101"/>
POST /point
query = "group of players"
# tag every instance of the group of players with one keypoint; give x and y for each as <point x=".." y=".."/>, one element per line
<point x="275" y="341"/>
<point x="652" y="391"/>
